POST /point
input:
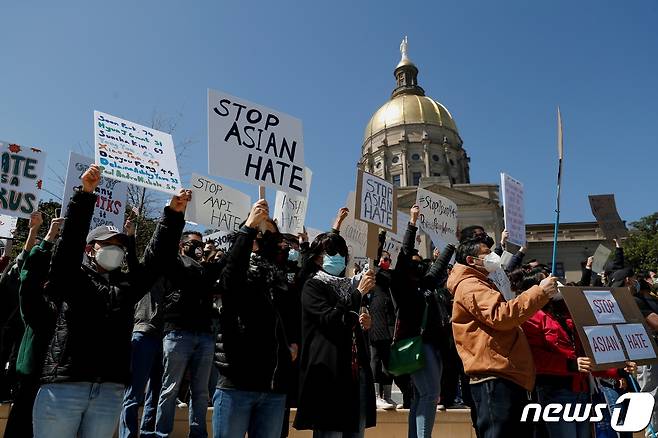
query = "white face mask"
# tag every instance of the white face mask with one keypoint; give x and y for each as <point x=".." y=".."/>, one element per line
<point x="110" y="257"/>
<point x="492" y="262"/>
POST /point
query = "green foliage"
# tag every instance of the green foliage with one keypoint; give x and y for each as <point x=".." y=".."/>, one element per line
<point x="641" y="248"/>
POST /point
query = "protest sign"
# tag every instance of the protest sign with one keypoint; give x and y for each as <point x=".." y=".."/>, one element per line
<point x="313" y="233"/>
<point x="376" y="201"/>
<point x="217" y="205"/>
<point x="437" y="218"/>
<point x="111" y="194"/>
<point x="512" y="194"/>
<point x="500" y="279"/>
<point x="604" y="210"/>
<point x="7" y="224"/>
<point x="222" y="239"/>
<point x="21" y="179"/>
<point x="290" y="209"/>
<point x="135" y="154"/>
<point x="610" y="343"/>
<point x="355" y="232"/>
<point x="254" y="144"/>
<point x="600" y="257"/>
<point x="506" y="258"/>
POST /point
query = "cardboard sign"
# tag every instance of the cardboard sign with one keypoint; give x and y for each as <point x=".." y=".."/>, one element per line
<point x="313" y="233"/>
<point x="599" y="345"/>
<point x="604" y="210"/>
<point x="135" y="154"/>
<point x="290" y="209"/>
<point x="636" y="340"/>
<point x="21" y="176"/>
<point x="438" y="218"/>
<point x="255" y="144"/>
<point x="604" y="306"/>
<point x="355" y="232"/>
<point x="500" y="279"/>
<point x="7" y="224"/>
<point x="604" y="344"/>
<point x="376" y="201"/>
<point x="600" y="257"/>
<point x="111" y="194"/>
<point x="217" y="205"/>
<point x="222" y="239"/>
<point x="512" y="194"/>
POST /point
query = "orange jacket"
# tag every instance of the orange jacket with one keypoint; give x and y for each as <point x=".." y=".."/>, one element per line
<point x="487" y="329"/>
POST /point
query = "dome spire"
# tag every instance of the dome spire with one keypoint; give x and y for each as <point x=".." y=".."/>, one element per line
<point x="406" y="73"/>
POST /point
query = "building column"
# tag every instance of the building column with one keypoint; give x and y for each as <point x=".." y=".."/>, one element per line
<point x="426" y="155"/>
<point x="403" y="157"/>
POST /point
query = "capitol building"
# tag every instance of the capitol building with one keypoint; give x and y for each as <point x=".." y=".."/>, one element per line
<point x="413" y="141"/>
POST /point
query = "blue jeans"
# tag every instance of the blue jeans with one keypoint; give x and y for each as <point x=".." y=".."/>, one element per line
<point x="77" y="409"/>
<point x="363" y="403"/>
<point x="237" y="412"/>
<point x="499" y="404"/>
<point x="426" y="385"/>
<point x="146" y="365"/>
<point x="555" y="394"/>
<point x="183" y="350"/>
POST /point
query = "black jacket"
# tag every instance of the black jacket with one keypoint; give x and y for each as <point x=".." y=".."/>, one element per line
<point x="91" y="339"/>
<point x="252" y="346"/>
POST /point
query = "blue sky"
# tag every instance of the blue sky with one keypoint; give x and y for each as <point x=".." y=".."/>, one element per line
<point x="501" y="68"/>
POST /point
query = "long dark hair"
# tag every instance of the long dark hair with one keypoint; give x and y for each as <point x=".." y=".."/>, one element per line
<point x="325" y="243"/>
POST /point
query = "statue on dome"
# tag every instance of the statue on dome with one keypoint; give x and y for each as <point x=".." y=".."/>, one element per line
<point x="404" y="45"/>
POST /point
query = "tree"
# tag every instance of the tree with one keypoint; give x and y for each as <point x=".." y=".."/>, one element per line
<point x="641" y="247"/>
<point x="48" y="209"/>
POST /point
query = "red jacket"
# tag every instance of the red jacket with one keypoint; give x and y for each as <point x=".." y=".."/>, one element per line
<point x="552" y="346"/>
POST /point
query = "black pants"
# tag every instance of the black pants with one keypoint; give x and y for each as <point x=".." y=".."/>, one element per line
<point x="19" y="423"/>
<point x="380" y="352"/>
<point x="499" y="404"/>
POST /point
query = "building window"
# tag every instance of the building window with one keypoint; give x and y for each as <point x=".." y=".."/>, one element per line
<point x="416" y="178"/>
<point x="454" y="181"/>
<point x="396" y="180"/>
<point x="452" y="163"/>
<point x="415" y="157"/>
<point x="396" y="159"/>
<point x="436" y="174"/>
<point x="435" y="157"/>
<point x="378" y="165"/>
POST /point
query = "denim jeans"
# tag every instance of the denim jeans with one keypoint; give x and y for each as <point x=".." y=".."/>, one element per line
<point x="183" y="350"/>
<point x="647" y="377"/>
<point x="546" y="394"/>
<point x="499" y="404"/>
<point x="146" y="366"/>
<point x="363" y="403"/>
<point x="77" y="409"/>
<point x="427" y="389"/>
<point x="237" y="412"/>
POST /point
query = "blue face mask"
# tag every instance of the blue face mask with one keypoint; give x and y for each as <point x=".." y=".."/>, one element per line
<point x="334" y="264"/>
<point x="293" y="255"/>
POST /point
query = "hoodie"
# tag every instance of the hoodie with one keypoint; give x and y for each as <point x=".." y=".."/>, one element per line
<point x="487" y="328"/>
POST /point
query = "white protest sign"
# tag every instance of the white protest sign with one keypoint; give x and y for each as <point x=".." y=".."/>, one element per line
<point x="604" y="306"/>
<point x="312" y="233"/>
<point x="355" y="232"/>
<point x="7" y="224"/>
<point x="255" y="144"/>
<point x="217" y="205"/>
<point x="605" y="344"/>
<point x="135" y="154"/>
<point x="290" y="209"/>
<point x="21" y="179"/>
<point x="600" y="257"/>
<point x="438" y="218"/>
<point x="512" y="193"/>
<point x="222" y="239"/>
<point x="500" y="279"/>
<point x="636" y="340"/>
<point x="506" y="258"/>
<point x="376" y="202"/>
<point x="111" y="194"/>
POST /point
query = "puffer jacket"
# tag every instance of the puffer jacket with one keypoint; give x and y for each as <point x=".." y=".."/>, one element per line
<point x="487" y="329"/>
<point x="91" y="339"/>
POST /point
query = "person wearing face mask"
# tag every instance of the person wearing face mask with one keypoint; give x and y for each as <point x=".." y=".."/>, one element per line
<point x="336" y="397"/>
<point x="490" y="341"/>
<point x="87" y="362"/>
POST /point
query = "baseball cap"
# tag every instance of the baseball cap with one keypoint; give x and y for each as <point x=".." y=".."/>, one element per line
<point x="105" y="232"/>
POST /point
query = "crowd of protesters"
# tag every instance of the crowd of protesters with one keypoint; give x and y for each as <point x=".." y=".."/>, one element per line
<point x="90" y="333"/>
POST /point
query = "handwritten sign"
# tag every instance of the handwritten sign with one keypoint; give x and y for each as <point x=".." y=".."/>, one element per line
<point x="600" y="257"/>
<point x="512" y="193"/>
<point x="376" y="201"/>
<point x="135" y="154"/>
<point x="222" y="239"/>
<point x="438" y="218"/>
<point x="604" y="306"/>
<point x="500" y="279"/>
<point x="313" y="233"/>
<point x="604" y="210"/>
<point x="290" y="209"/>
<point x="217" y="205"/>
<point x="20" y="179"/>
<point x="636" y="340"/>
<point x="7" y="224"/>
<point x="111" y="194"/>
<point x="255" y="144"/>
<point x="605" y="344"/>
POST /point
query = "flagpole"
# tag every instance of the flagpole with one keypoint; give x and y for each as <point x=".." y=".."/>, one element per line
<point x="559" y="180"/>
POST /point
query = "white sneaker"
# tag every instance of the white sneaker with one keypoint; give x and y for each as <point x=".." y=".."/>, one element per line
<point x="383" y="404"/>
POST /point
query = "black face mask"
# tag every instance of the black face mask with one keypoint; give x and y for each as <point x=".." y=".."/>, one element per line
<point x="193" y="249"/>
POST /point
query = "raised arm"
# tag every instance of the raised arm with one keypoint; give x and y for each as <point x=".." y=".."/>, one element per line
<point x="438" y="272"/>
<point x="340" y="218"/>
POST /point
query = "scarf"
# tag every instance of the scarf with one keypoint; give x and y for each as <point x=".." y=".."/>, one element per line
<point x="261" y="268"/>
<point x="342" y="286"/>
